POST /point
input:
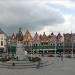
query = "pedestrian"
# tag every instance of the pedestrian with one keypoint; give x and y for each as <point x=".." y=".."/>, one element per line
<point x="38" y="65"/>
<point x="61" y="56"/>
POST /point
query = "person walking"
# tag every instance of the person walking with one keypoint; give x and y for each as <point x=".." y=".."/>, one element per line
<point x="38" y="65"/>
<point x="61" y="55"/>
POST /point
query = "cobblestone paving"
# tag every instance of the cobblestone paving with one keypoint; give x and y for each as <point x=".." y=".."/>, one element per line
<point x="65" y="67"/>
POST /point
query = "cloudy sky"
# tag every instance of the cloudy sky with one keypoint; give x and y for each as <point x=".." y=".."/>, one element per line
<point x="37" y="15"/>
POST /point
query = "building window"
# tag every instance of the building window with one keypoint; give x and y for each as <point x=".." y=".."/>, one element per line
<point x="1" y="38"/>
<point x="41" y="43"/>
<point x="51" y="44"/>
<point x="1" y="43"/>
<point x="36" y="44"/>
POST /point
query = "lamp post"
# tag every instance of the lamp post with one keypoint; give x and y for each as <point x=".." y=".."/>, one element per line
<point x="72" y="49"/>
<point x="72" y="43"/>
<point x="32" y="52"/>
<point x="63" y="49"/>
<point x="30" y="47"/>
<point x="55" y="47"/>
<point x="62" y="40"/>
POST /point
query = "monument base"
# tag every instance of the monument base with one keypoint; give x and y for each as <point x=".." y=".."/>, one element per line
<point x="20" y="52"/>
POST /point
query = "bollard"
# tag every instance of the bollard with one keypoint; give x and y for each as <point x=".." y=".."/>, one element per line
<point x="13" y="64"/>
<point x="38" y="65"/>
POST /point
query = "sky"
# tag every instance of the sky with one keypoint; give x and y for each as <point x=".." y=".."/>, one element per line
<point x="37" y="16"/>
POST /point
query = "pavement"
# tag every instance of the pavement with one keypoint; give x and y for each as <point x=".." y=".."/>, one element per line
<point x="58" y="67"/>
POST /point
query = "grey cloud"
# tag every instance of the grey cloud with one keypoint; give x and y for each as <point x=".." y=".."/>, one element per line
<point x="28" y="15"/>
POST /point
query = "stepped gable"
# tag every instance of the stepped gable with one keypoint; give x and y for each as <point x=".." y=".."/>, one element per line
<point x="27" y="37"/>
<point x="44" y="38"/>
<point x="53" y="38"/>
<point x="13" y="38"/>
<point x="52" y="33"/>
<point x="36" y="37"/>
<point x="59" y="39"/>
<point x="59" y="35"/>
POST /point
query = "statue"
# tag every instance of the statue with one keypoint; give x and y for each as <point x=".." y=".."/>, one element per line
<point x="20" y="35"/>
<point x="21" y="54"/>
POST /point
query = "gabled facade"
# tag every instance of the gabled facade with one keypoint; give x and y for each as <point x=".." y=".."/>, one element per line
<point x="13" y="38"/>
<point x="41" y="42"/>
<point x="27" y="38"/>
<point x="67" y="39"/>
<point x="52" y="39"/>
<point x="59" y="39"/>
<point x="49" y="43"/>
<point x="36" y="40"/>
<point x="73" y="38"/>
<point x="44" y="39"/>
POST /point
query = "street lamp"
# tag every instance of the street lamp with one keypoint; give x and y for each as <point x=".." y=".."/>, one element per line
<point x="55" y="47"/>
<point x="72" y="43"/>
<point x="31" y="50"/>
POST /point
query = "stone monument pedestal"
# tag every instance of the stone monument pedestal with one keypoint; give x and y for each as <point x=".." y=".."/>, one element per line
<point x="20" y="53"/>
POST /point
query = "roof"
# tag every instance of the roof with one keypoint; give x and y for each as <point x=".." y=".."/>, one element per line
<point x="1" y="31"/>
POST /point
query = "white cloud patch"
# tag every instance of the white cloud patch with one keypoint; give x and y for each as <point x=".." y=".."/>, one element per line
<point x="67" y="27"/>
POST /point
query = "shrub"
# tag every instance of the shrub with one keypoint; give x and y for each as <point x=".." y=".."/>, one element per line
<point x="34" y="59"/>
<point x="50" y="55"/>
<point x="30" y="58"/>
<point x="68" y="56"/>
<point x="4" y="59"/>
